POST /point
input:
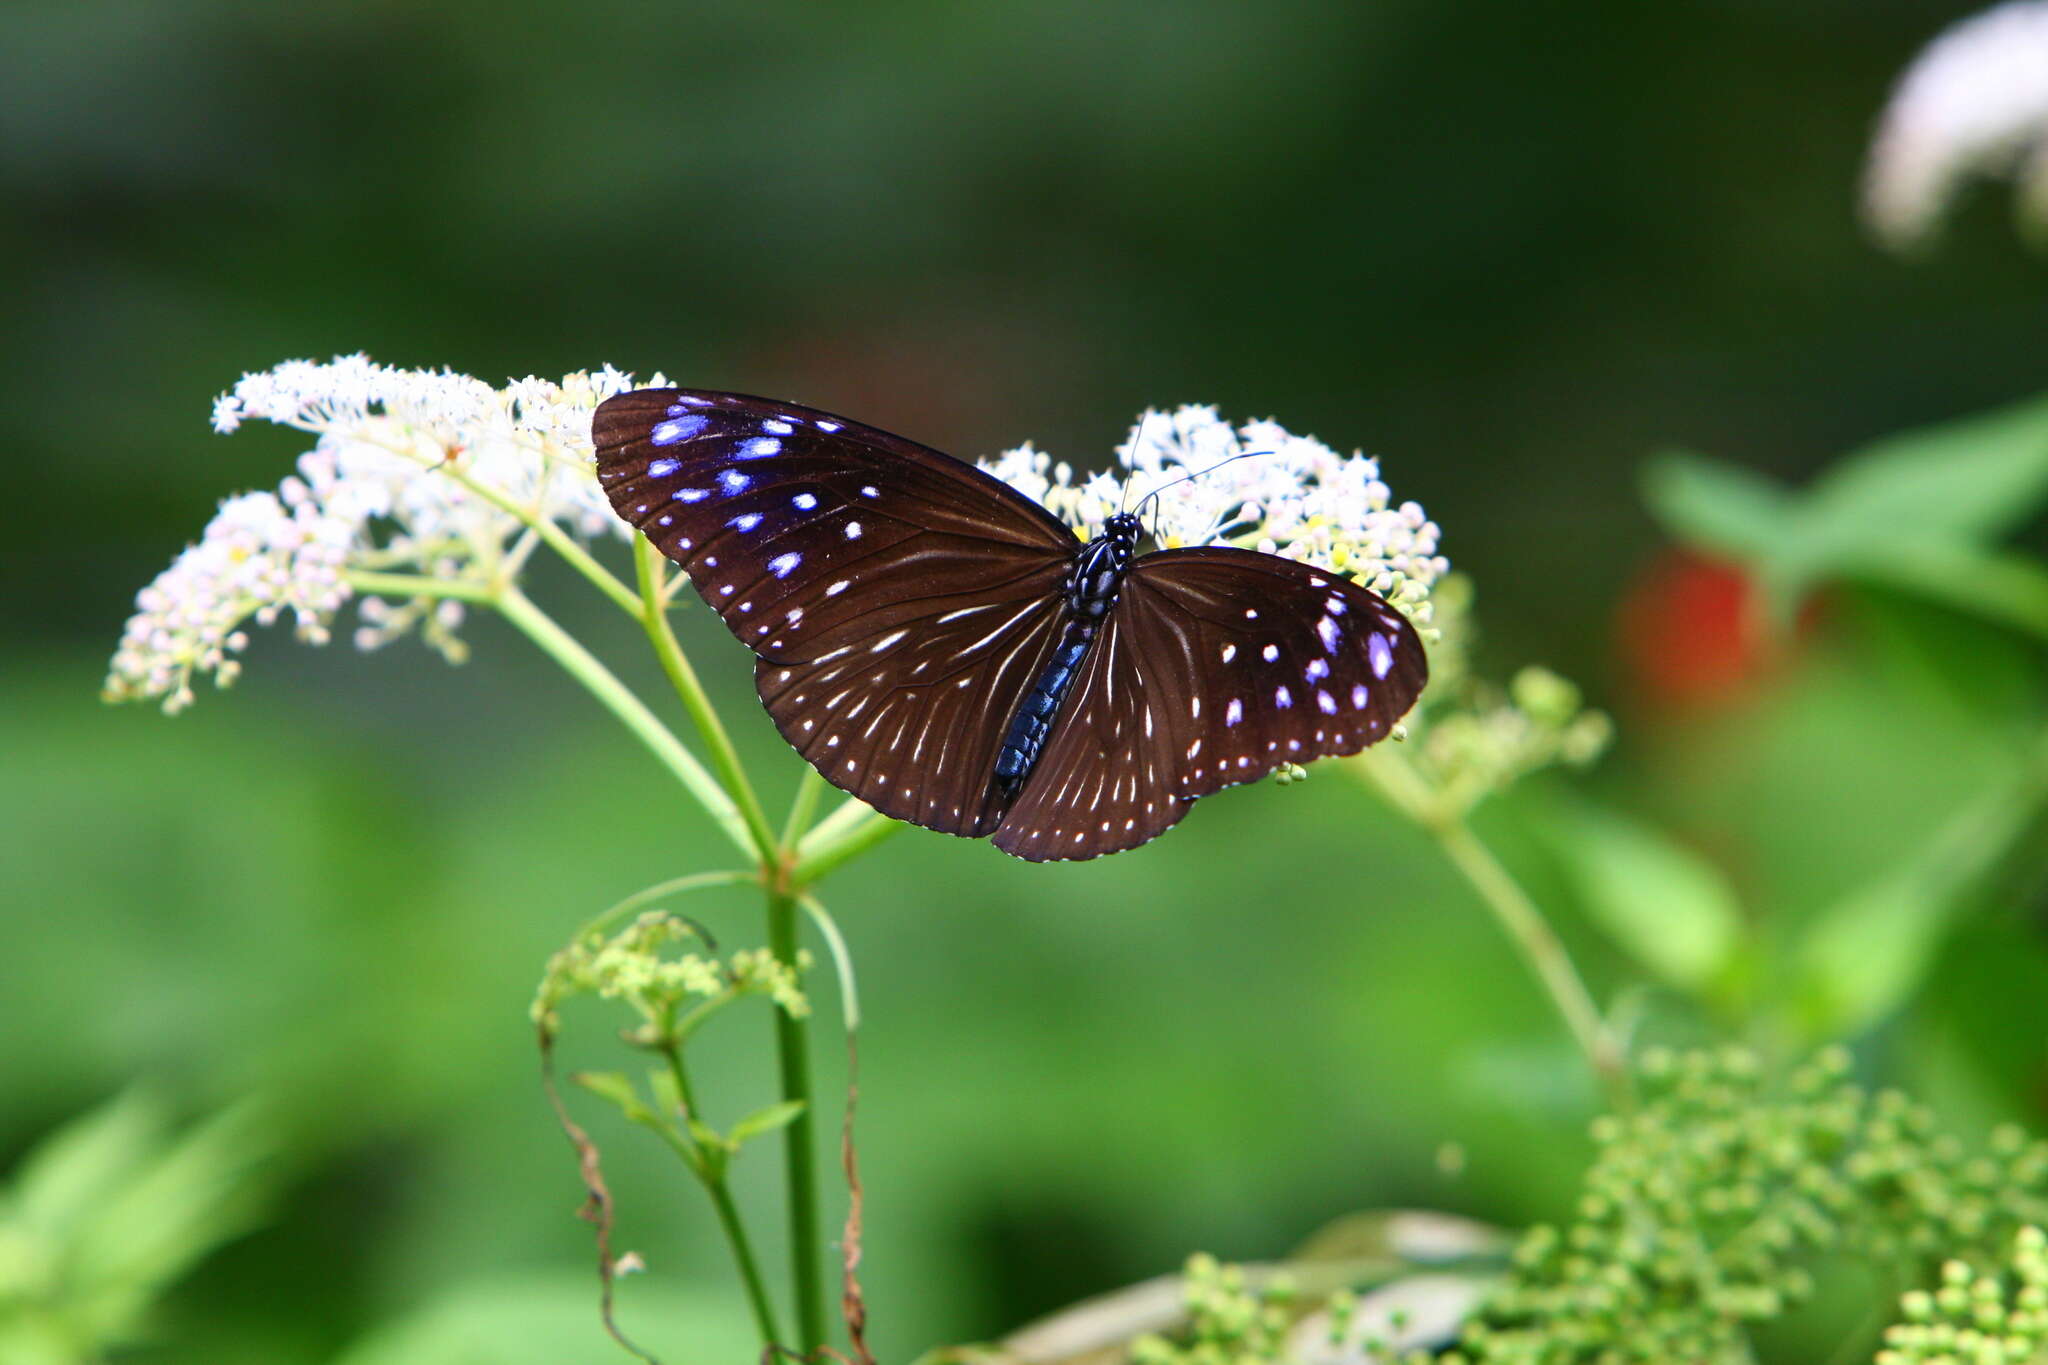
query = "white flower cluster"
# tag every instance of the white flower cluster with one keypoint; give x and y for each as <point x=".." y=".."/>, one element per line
<point x="389" y="487"/>
<point x="1974" y="102"/>
<point x="1281" y="493"/>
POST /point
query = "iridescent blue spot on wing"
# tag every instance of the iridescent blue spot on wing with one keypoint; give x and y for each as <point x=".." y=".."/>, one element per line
<point x="760" y="448"/>
<point x="678" y="429"/>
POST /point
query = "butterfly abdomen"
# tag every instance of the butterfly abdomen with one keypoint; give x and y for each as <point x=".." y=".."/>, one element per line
<point x="1091" y="590"/>
<point x="1032" y="725"/>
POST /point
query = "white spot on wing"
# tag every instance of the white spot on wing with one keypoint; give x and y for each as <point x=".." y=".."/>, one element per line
<point x="1234" y="712"/>
<point x="781" y="565"/>
<point x="1270" y="653"/>
<point x="853" y="530"/>
<point x="1381" y="654"/>
<point x="746" y="521"/>
<point x="661" y="469"/>
<point x="1328" y="630"/>
<point x="837" y="588"/>
<point x="680" y="429"/>
<point x="804" y="502"/>
<point x="1282" y="697"/>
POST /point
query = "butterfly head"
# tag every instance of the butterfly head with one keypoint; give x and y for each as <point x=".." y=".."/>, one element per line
<point x="1124" y="530"/>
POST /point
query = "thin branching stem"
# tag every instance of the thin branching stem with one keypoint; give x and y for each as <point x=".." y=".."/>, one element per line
<point x="845" y="834"/>
<point x="711" y="1171"/>
<point x="617" y="698"/>
<point x="653" y="614"/>
<point x="1518" y="915"/>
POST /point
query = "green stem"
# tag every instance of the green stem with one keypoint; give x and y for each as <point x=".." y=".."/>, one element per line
<point x="803" y="808"/>
<point x="728" y="1213"/>
<point x="419" y="585"/>
<point x="674" y="886"/>
<point x="794" y="1051"/>
<point x="724" y="758"/>
<point x="556" y="539"/>
<point x="838" y="840"/>
<point x="1518" y="916"/>
<point x="583" y="666"/>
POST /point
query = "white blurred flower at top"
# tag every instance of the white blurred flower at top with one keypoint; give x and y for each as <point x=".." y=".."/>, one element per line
<point x="1294" y="496"/>
<point x="1974" y="102"/>
<point x="390" y="486"/>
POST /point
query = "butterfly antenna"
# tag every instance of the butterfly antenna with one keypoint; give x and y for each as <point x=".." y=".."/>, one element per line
<point x="1137" y="436"/>
<point x="1247" y="455"/>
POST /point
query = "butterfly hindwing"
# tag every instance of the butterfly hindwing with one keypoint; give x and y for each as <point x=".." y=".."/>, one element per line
<point x="1217" y="666"/>
<point x="908" y="717"/>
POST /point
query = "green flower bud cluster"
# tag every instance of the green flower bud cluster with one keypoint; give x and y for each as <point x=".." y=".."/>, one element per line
<point x="1230" y="1322"/>
<point x="1978" y="1319"/>
<point x="1701" y="1205"/>
<point x="1494" y="738"/>
<point x="1479" y="738"/>
<point x="671" y="994"/>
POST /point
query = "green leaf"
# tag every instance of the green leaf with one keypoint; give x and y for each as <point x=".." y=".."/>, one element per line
<point x="616" y="1087"/>
<point x="1914" y="512"/>
<point x="1716" y="505"/>
<point x="765" y="1121"/>
<point x="1969" y="480"/>
<point x="1668" y="907"/>
<point x="1860" y="958"/>
<point x="2009" y="589"/>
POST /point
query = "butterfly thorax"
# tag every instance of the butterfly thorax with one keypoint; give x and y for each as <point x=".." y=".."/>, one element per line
<point x="1091" y="590"/>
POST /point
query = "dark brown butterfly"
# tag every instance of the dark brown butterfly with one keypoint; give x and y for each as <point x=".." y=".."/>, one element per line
<point x="944" y="648"/>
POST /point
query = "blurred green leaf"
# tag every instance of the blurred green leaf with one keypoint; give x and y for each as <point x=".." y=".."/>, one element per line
<point x="1666" y="906"/>
<point x="1716" y="505"/>
<point x="107" y="1212"/>
<point x="616" y="1087"/>
<point x="1914" y="512"/>
<point x="2009" y="588"/>
<point x="1973" y="479"/>
<point x="1861" y="957"/>
<point x="765" y="1120"/>
<point x="548" y="1319"/>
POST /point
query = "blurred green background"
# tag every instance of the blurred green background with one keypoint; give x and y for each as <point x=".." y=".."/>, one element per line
<point x="1513" y="250"/>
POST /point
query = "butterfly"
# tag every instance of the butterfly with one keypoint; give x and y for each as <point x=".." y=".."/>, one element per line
<point x="941" y="646"/>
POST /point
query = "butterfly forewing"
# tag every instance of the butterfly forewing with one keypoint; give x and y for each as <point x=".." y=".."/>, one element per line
<point x="900" y="601"/>
<point x="1217" y="666"/>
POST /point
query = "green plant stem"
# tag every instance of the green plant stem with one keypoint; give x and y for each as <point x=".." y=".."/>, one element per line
<point x="583" y="666"/>
<point x="419" y="585"/>
<point x="804" y="807"/>
<point x="1513" y="909"/>
<point x="715" y="1185"/>
<point x="653" y="614"/>
<point x="845" y="834"/>
<point x="794" y="1051"/>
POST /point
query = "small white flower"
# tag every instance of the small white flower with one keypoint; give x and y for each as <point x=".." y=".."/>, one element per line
<point x="1294" y="496"/>
<point x="1974" y="102"/>
<point x="378" y="492"/>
